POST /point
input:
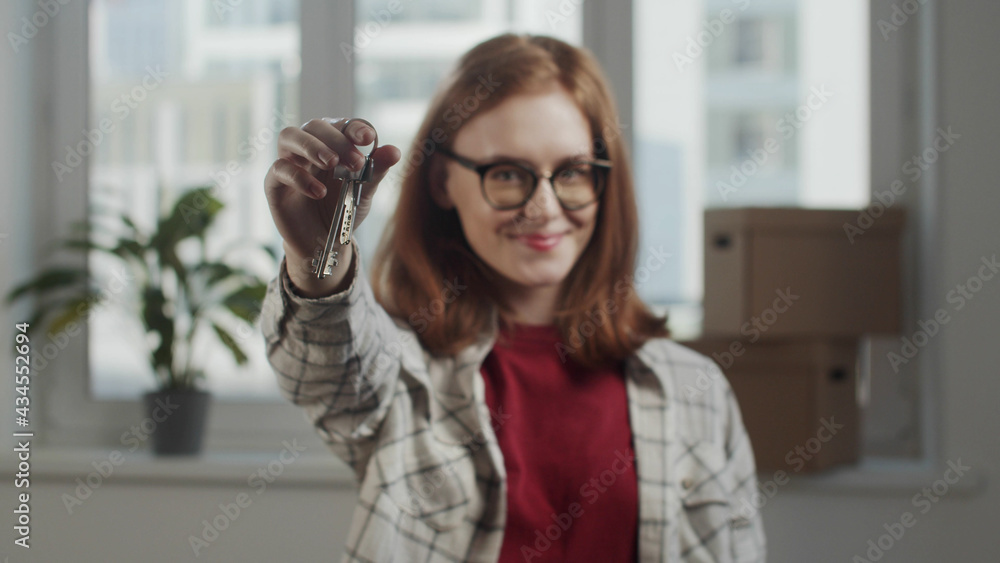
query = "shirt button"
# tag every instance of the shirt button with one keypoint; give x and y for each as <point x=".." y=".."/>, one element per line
<point x="687" y="483"/>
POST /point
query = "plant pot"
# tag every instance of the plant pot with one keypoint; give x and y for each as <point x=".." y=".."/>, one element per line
<point x="180" y="417"/>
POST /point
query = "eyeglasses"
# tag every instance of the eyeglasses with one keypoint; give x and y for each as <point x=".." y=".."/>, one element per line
<point x="510" y="184"/>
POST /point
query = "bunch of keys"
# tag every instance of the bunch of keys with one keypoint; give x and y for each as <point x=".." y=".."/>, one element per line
<point x="343" y="219"/>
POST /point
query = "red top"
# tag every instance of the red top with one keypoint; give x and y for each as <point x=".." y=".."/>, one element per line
<point x="567" y="448"/>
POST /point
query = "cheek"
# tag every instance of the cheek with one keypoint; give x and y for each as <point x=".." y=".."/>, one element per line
<point x="482" y="224"/>
<point x="586" y="223"/>
<point x="470" y="213"/>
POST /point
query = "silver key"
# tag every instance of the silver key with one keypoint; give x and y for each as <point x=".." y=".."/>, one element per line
<point x="343" y="220"/>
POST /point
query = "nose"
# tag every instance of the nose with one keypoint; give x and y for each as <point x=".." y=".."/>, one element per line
<point x="543" y="204"/>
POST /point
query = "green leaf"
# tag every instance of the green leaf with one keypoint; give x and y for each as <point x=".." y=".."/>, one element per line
<point x="130" y="248"/>
<point x="49" y="280"/>
<point x="192" y="215"/>
<point x="271" y="252"/>
<point x="129" y="223"/>
<point x="156" y="320"/>
<point x="246" y="301"/>
<point x="230" y="342"/>
<point x="216" y="271"/>
<point x="71" y="312"/>
<point x="169" y="257"/>
<point x="76" y="244"/>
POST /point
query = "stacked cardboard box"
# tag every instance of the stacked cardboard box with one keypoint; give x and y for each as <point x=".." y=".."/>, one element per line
<point x="789" y="293"/>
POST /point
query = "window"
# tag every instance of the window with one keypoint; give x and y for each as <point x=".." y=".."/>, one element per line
<point x="715" y="81"/>
<point x="233" y="71"/>
<point x="195" y="88"/>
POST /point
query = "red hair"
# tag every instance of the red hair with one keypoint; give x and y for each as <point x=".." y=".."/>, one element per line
<point x="423" y="249"/>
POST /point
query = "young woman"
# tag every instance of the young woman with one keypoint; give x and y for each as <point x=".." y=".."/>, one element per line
<point x="499" y="388"/>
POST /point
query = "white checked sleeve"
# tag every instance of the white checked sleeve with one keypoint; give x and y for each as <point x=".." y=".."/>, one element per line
<point x="329" y="357"/>
<point x="749" y="543"/>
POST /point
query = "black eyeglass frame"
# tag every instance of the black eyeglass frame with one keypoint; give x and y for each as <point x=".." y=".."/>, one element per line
<point x="482" y="169"/>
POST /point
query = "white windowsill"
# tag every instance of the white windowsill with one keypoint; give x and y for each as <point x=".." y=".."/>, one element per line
<point x="871" y="476"/>
<point x="211" y="468"/>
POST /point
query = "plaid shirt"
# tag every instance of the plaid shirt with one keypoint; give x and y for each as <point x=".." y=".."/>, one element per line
<point x="417" y="433"/>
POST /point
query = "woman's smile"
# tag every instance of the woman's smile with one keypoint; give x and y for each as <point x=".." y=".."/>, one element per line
<point x="541" y="242"/>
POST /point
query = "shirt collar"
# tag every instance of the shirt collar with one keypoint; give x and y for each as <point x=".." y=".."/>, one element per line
<point x="648" y="365"/>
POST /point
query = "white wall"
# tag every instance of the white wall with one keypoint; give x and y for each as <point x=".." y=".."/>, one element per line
<point x="149" y="523"/>
<point x="134" y="520"/>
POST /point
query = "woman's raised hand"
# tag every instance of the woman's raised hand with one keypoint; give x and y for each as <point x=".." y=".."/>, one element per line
<point x="303" y="188"/>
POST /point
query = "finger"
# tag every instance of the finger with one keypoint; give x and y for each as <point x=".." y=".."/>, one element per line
<point x="382" y="159"/>
<point x="300" y="161"/>
<point x="331" y="135"/>
<point x="285" y="173"/>
<point x="358" y="132"/>
<point x="301" y="147"/>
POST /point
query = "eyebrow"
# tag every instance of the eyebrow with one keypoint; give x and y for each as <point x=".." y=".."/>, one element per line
<point x="565" y="160"/>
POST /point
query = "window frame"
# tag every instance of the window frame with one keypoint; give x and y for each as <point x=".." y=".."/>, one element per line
<point x="72" y="417"/>
<point x="904" y="110"/>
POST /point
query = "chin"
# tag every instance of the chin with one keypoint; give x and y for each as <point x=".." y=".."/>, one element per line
<point x="540" y="277"/>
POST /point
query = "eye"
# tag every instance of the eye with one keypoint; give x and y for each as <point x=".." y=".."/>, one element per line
<point x="574" y="173"/>
<point x="508" y="174"/>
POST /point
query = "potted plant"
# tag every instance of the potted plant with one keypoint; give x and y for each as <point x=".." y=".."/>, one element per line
<point x="179" y="294"/>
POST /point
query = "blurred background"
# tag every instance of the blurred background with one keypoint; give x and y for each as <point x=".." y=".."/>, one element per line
<point x="130" y="104"/>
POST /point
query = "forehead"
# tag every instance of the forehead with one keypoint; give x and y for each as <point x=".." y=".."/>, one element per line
<point x="537" y="126"/>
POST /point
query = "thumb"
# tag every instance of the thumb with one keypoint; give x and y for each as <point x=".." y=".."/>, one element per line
<point x="382" y="159"/>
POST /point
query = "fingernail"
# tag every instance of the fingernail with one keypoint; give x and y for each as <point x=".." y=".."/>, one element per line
<point x="318" y="190"/>
<point x="357" y="161"/>
<point x="359" y="135"/>
<point x="328" y="158"/>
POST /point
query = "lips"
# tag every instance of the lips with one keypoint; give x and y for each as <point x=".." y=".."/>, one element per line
<point x="541" y="241"/>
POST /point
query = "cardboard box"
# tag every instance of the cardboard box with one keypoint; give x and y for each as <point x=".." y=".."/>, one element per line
<point x="778" y="272"/>
<point x="798" y="400"/>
